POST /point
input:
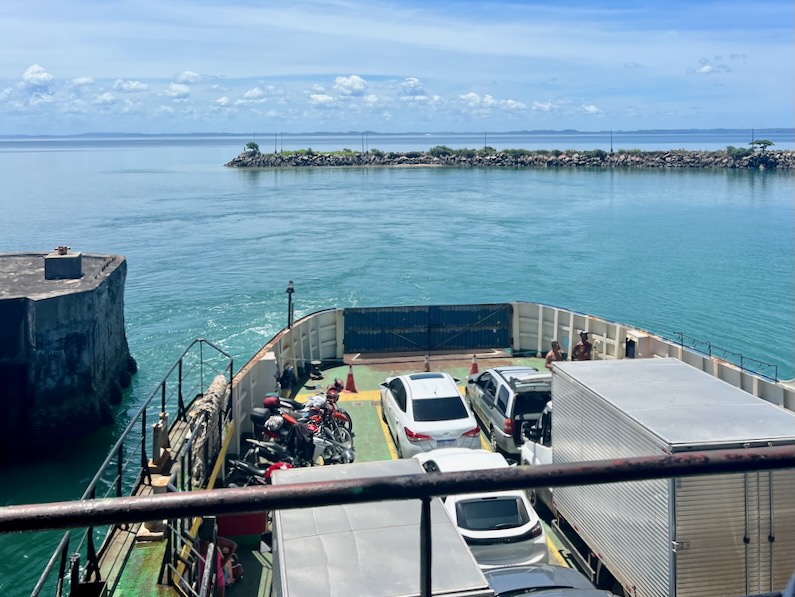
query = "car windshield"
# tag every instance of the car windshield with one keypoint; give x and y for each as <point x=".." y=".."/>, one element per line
<point x="487" y="514"/>
<point x="439" y="409"/>
<point x="530" y="403"/>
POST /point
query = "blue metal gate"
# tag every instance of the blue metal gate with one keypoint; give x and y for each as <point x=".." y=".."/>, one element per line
<point x="427" y="328"/>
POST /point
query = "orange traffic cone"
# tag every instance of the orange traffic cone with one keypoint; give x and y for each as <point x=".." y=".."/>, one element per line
<point x="473" y="369"/>
<point x="350" y="385"/>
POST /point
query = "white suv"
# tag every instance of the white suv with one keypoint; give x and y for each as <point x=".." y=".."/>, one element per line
<point x="500" y="527"/>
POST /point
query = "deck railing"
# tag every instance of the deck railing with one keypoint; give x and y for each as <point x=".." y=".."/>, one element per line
<point x="119" y="475"/>
<point x="747" y="364"/>
<point x="421" y="486"/>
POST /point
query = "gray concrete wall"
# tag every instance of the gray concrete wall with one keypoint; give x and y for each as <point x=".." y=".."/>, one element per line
<point x="63" y="359"/>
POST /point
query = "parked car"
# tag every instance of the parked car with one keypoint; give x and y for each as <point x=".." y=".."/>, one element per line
<point x="500" y="527"/>
<point x="505" y="397"/>
<point x="544" y="579"/>
<point x="424" y="411"/>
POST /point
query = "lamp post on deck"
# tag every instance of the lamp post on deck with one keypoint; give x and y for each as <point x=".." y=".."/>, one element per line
<point x="290" y="291"/>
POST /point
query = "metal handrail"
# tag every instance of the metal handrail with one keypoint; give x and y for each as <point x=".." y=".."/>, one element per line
<point x="117" y="451"/>
<point x="61" y="515"/>
<point x="736" y="358"/>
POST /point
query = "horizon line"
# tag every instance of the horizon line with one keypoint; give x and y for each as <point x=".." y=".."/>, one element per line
<point x="395" y="134"/>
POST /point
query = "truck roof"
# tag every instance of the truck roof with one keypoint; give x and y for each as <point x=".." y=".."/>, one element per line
<point x="674" y="401"/>
<point x="368" y="548"/>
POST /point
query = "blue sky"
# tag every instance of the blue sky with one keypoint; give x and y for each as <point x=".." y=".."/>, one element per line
<point x="182" y="66"/>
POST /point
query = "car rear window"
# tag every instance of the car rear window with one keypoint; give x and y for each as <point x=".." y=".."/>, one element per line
<point x="488" y="514"/>
<point x="530" y="403"/>
<point x="439" y="409"/>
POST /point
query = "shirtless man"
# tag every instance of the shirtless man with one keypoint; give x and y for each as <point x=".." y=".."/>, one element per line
<point x="553" y="355"/>
<point x="582" y="350"/>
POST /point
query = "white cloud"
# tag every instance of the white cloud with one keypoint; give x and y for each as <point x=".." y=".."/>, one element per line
<point x="412" y="86"/>
<point x="512" y="105"/>
<point x="591" y="109"/>
<point x="545" y="106"/>
<point x="164" y="111"/>
<point x="82" y="81"/>
<point x="471" y="99"/>
<point x="36" y="76"/>
<point x="5" y="94"/>
<point x="254" y="94"/>
<point x="321" y="100"/>
<point x="633" y="65"/>
<point x="706" y="68"/>
<point x="223" y="101"/>
<point x="353" y="85"/>
<point x="105" y="99"/>
<point x="38" y="99"/>
<point x="130" y="106"/>
<point x="188" y="76"/>
<point x="371" y="99"/>
<point x="129" y="86"/>
<point x="177" y="91"/>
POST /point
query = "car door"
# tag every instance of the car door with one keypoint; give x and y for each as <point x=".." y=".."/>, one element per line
<point x="397" y="415"/>
<point x="483" y="395"/>
<point x="389" y="402"/>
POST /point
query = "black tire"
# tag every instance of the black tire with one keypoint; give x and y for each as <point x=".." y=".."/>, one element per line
<point x="495" y="447"/>
<point x="343" y="436"/>
<point x="347" y="422"/>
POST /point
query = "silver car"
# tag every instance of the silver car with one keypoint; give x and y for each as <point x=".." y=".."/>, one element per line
<point x="505" y="397"/>
<point x="424" y="411"/>
<point x="557" y="581"/>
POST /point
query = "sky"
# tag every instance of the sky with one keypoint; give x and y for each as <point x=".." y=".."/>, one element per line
<point x="241" y="66"/>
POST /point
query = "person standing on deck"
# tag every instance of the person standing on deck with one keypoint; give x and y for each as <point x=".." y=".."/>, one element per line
<point x="582" y="350"/>
<point x="553" y="355"/>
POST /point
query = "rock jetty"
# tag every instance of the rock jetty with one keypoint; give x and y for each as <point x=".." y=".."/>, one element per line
<point x="760" y="160"/>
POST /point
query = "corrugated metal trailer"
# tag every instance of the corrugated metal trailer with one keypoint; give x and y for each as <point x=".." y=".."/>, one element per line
<point x="368" y="548"/>
<point x="701" y="536"/>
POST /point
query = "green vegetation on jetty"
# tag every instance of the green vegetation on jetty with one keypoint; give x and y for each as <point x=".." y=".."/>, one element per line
<point x="757" y="156"/>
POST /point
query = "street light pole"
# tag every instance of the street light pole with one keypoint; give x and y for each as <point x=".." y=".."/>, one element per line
<point x="290" y="291"/>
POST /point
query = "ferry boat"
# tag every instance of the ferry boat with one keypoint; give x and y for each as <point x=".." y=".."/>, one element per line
<point x="200" y="415"/>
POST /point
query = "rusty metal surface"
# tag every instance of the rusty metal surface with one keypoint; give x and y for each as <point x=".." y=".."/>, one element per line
<point x="84" y="513"/>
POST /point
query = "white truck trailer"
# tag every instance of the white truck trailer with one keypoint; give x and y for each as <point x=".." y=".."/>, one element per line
<point x="729" y="534"/>
<point x="369" y="548"/>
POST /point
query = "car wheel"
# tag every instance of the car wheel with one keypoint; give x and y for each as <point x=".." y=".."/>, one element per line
<point x="495" y="447"/>
<point x="532" y="498"/>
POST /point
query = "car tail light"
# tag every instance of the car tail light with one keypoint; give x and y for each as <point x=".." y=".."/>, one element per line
<point x="536" y="530"/>
<point x="415" y="437"/>
<point x="472" y="432"/>
<point x="507" y="427"/>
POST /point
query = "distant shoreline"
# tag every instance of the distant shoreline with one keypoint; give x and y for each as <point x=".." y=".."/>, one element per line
<point x="732" y="158"/>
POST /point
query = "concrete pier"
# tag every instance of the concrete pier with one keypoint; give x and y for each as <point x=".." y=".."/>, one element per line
<point x="64" y="357"/>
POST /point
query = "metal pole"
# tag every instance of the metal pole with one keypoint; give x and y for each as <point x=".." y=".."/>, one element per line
<point x="290" y="291"/>
<point x="426" y="551"/>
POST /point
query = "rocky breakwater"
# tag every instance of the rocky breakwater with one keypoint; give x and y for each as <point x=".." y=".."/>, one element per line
<point x="463" y="158"/>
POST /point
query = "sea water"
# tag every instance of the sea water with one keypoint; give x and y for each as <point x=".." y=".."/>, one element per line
<point x="709" y="253"/>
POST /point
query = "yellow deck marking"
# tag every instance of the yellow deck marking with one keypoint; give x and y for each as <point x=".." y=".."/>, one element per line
<point x="484" y="443"/>
<point x="559" y="559"/>
<point x="387" y="436"/>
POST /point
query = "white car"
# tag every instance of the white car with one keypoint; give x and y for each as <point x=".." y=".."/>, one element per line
<point x="500" y="527"/>
<point x="424" y="411"/>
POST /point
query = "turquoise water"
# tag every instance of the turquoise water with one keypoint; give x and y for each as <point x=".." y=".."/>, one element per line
<point x="210" y="251"/>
